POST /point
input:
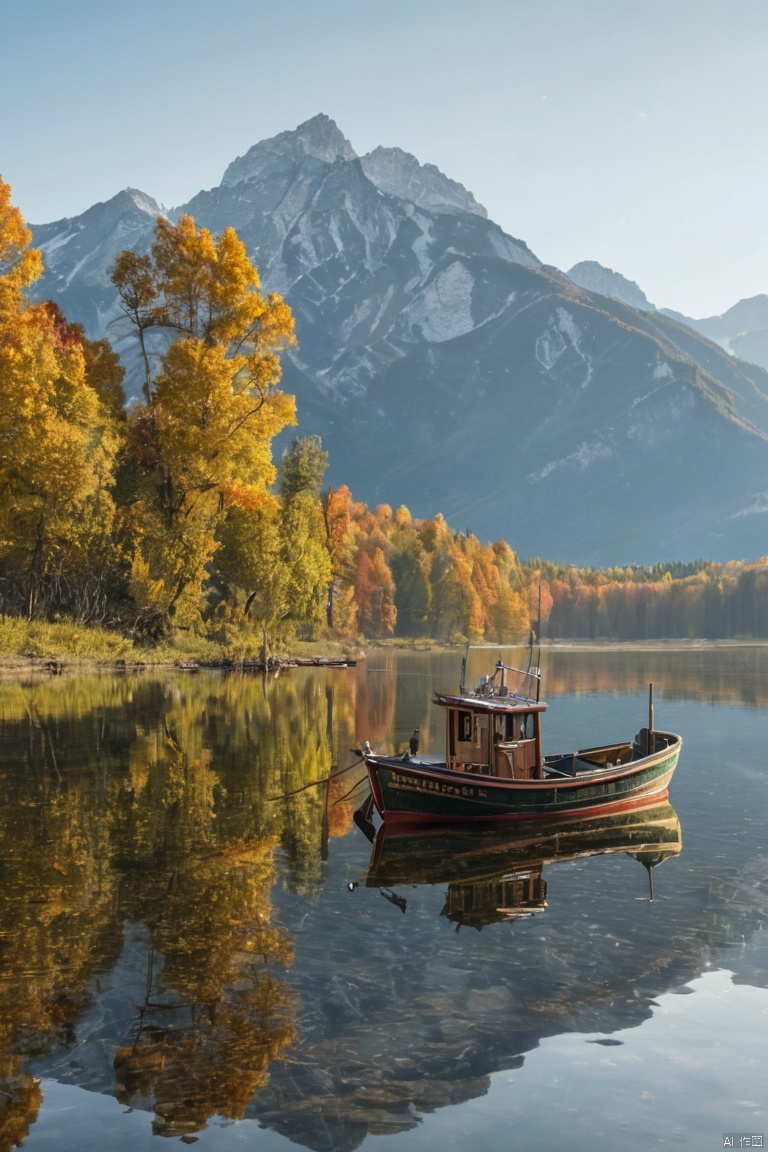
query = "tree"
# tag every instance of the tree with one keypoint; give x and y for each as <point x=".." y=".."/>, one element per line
<point x="412" y="591"/>
<point x="303" y="530"/>
<point x="250" y="562"/>
<point x="20" y="265"/>
<point x="375" y="595"/>
<point x="307" y="560"/>
<point x="302" y="467"/>
<point x="341" y="612"/>
<point x="202" y="438"/>
<point x="273" y="549"/>
<point x="58" y="443"/>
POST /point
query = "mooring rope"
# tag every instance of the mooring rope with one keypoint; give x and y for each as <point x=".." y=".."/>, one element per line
<point x="316" y="783"/>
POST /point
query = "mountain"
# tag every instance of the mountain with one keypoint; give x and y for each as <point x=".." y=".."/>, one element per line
<point x="78" y="253"/>
<point x="596" y="278"/>
<point x="742" y="330"/>
<point x="446" y="369"/>
<point x="401" y="174"/>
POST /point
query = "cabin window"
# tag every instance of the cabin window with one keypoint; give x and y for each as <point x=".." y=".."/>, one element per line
<point x="465" y="727"/>
<point x="503" y="727"/>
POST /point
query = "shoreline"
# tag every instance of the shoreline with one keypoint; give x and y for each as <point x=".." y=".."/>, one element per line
<point x="326" y="657"/>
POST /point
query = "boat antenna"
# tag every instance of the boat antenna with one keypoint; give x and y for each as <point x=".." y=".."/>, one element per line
<point x="651" y="739"/>
<point x="463" y="670"/>
<point x="538" y="637"/>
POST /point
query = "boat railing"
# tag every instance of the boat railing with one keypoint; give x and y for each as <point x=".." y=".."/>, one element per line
<point x="496" y="684"/>
<point x="490" y="685"/>
<point x="652" y="741"/>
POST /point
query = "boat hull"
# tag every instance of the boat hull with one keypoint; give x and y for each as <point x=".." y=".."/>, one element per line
<point x="417" y="791"/>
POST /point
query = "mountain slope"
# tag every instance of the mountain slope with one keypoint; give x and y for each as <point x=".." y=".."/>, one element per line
<point x="586" y="436"/>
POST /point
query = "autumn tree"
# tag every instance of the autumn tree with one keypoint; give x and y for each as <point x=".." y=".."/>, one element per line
<point x="375" y="595"/>
<point x="20" y="265"/>
<point x="59" y="437"/>
<point x="341" y="612"/>
<point x="250" y="566"/>
<point x="272" y="557"/>
<point x="202" y="437"/>
<point x="413" y="595"/>
<point x="303" y="530"/>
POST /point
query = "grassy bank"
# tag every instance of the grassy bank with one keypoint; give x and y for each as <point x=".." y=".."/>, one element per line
<point x="24" y="641"/>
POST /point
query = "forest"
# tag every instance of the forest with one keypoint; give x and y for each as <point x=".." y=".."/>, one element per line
<point x="170" y="514"/>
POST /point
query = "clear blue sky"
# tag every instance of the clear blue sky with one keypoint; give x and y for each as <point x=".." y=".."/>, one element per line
<point x="632" y="132"/>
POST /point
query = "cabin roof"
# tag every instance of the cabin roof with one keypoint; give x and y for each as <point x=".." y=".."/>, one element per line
<point x="470" y="702"/>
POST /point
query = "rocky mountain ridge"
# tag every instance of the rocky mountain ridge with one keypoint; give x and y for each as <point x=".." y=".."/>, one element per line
<point x="597" y="278"/>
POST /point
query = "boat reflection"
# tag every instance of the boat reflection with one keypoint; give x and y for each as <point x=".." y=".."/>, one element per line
<point x="495" y="874"/>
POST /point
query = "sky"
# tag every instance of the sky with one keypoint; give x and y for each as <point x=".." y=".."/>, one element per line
<point x="631" y="132"/>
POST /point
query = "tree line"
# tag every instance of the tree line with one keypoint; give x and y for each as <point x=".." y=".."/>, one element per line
<point x="171" y="513"/>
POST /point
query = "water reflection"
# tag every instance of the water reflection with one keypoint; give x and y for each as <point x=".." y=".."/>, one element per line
<point x="735" y="674"/>
<point x="180" y="924"/>
<point x="496" y="874"/>
<point x="139" y="801"/>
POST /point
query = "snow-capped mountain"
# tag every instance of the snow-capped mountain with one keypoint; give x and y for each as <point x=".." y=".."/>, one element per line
<point x="79" y="252"/>
<point x="446" y="369"/>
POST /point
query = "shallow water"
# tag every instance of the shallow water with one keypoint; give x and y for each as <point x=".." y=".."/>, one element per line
<point x="193" y="945"/>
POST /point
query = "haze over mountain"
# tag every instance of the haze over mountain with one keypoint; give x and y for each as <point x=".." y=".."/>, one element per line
<point x="446" y="369"/>
<point x="742" y="330"/>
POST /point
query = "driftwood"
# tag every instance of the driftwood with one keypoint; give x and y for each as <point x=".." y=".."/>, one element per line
<point x="273" y="664"/>
<point x="278" y="663"/>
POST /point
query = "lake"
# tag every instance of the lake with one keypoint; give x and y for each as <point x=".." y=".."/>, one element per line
<point x="196" y="944"/>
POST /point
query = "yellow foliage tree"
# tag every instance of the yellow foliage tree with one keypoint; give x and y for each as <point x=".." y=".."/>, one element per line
<point x="20" y="265"/>
<point x="202" y="438"/>
<point x="58" y="443"/>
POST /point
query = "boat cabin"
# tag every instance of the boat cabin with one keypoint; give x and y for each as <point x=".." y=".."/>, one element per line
<point x="494" y="732"/>
<point x="505" y="744"/>
<point x="513" y="896"/>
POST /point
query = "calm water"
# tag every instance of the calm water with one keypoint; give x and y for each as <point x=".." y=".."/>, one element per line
<point x="194" y="945"/>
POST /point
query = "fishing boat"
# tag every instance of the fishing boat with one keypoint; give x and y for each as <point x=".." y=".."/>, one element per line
<point x="496" y="873"/>
<point x="494" y="767"/>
